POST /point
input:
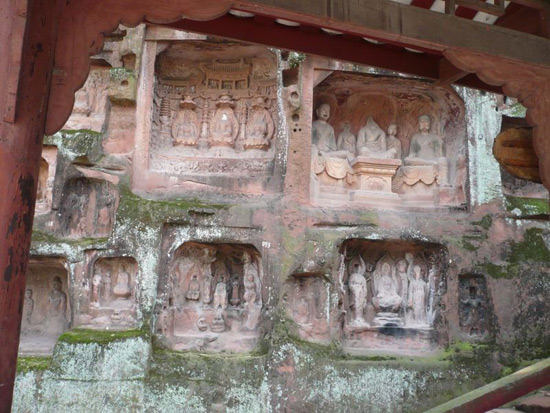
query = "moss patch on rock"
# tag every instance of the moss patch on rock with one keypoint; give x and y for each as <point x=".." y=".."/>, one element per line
<point x="33" y="363"/>
<point x="86" y="336"/>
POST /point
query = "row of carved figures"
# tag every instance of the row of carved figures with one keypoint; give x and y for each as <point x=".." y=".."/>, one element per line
<point x="256" y="125"/>
<point x="402" y="294"/>
<point x="426" y="160"/>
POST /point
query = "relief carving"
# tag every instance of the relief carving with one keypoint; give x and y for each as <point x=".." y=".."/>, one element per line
<point x="46" y="306"/>
<point x="112" y="302"/>
<point x="226" y="122"/>
<point x="213" y="299"/>
<point x="474" y="307"/>
<point x="392" y="288"/>
<point x="425" y="123"/>
<point x="88" y="208"/>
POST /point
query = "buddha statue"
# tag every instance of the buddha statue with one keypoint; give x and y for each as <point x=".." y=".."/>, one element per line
<point x="371" y="142"/>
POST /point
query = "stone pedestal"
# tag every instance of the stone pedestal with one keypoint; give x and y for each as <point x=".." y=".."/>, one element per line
<point x="374" y="177"/>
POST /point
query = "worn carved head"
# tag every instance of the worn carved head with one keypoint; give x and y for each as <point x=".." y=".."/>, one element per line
<point x="323" y="112"/>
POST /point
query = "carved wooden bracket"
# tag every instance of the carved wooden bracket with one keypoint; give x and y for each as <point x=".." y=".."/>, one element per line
<point x="80" y="35"/>
<point x="528" y="83"/>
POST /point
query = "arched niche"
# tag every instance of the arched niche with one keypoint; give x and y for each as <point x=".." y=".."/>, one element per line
<point x="88" y="208"/>
<point x="390" y="293"/>
<point x="212" y="298"/>
<point x="46" y="306"/>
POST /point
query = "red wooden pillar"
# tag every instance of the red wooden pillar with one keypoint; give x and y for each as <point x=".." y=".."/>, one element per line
<point x="27" y="42"/>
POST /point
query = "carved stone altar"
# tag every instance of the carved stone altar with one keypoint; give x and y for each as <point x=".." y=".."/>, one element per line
<point x="213" y="298"/>
<point x="108" y="299"/>
<point x="400" y="143"/>
<point x="390" y="293"/>
<point x="46" y="307"/>
<point x="214" y="116"/>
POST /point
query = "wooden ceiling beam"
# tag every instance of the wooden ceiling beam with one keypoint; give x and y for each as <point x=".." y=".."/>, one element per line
<point x="448" y="73"/>
<point x="413" y="26"/>
<point x="340" y="47"/>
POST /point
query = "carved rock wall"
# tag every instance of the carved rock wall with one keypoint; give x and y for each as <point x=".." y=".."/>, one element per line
<point x="218" y="289"/>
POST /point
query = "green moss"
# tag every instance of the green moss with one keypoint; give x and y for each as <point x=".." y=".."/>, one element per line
<point x="531" y="248"/>
<point x="84" y="336"/>
<point x="467" y="245"/>
<point x="507" y="271"/>
<point x="33" y="363"/>
<point x="528" y="206"/>
<point x="44" y="237"/>
<point x="484" y="222"/>
<point x="146" y="211"/>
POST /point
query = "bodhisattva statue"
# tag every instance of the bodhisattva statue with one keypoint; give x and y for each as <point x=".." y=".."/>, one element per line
<point x="260" y="127"/>
<point x="325" y="153"/>
<point x="57" y="308"/>
<point x="426" y="160"/>
<point x="387" y="298"/>
<point x="220" y="295"/>
<point x="418" y="294"/>
<point x="346" y="139"/>
<point x="207" y="287"/>
<point x="224" y="126"/>
<point x="96" y="287"/>
<point x="371" y="142"/>
<point x="28" y="307"/>
<point x="392" y="142"/>
<point x="358" y="294"/>
<point x="186" y="126"/>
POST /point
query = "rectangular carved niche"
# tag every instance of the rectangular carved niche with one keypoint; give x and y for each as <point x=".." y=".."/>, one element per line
<point x="390" y="293"/>
<point x="306" y="300"/>
<point x="387" y="141"/>
<point x="88" y="208"/>
<point x="215" y="113"/>
<point x="109" y="295"/>
<point x="212" y="298"/>
<point x="46" y="178"/>
<point x="474" y="307"/>
<point x="46" y="307"/>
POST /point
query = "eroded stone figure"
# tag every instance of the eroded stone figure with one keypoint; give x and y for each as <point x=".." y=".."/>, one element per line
<point x="471" y="312"/>
<point x="186" y="125"/>
<point x="220" y="295"/>
<point x="393" y="142"/>
<point x="207" y="287"/>
<point x="387" y="298"/>
<point x="325" y="153"/>
<point x="224" y="126"/>
<point x="426" y="161"/>
<point x="460" y="180"/>
<point x="418" y="294"/>
<point x="57" y="308"/>
<point x="358" y="293"/>
<point x="96" y="289"/>
<point x="28" y="307"/>
<point x="201" y="324"/>
<point x="260" y="127"/>
<point x="235" y="300"/>
<point x="371" y="141"/>
<point x="193" y="293"/>
<point x="346" y="139"/>
<point x="122" y="288"/>
<point x="249" y="282"/>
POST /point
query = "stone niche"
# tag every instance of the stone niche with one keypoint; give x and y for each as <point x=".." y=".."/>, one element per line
<point x="212" y="300"/>
<point x="387" y="141"/>
<point x="474" y="307"/>
<point x="215" y="114"/>
<point x="390" y="295"/>
<point x="46" y="178"/>
<point x="90" y="102"/>
<point x="88" y="208"/>
<point x="306" y="300"/>
<point x="46" y="306"/>
<point x="108" y="299"/>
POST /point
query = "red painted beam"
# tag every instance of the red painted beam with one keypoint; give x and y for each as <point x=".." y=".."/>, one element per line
<point x="312" y="40"/>
<point x="20" y="154"/>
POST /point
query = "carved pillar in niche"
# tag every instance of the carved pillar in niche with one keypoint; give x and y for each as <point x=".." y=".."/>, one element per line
<point x="529" y="84"/>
